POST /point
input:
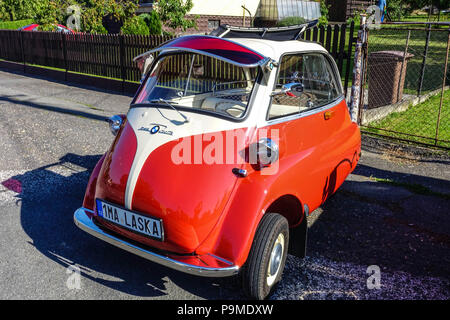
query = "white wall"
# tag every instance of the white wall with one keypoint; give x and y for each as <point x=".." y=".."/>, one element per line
<point x="224" y="7"/>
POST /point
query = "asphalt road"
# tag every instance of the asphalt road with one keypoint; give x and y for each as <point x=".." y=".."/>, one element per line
<point x="51" y="136"/>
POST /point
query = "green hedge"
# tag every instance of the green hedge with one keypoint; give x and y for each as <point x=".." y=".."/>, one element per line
<point x="15" y="24"/>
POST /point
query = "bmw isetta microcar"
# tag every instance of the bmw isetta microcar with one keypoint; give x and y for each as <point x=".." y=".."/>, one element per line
<point x="230" y="142"/>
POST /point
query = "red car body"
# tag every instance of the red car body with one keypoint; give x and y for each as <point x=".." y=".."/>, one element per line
<point x="210" y="212"/>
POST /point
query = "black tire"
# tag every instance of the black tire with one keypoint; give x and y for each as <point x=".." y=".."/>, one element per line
<point x="257" y="282"/>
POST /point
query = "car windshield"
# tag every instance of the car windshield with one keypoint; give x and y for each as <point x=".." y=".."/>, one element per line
<point x="190" y="81"/>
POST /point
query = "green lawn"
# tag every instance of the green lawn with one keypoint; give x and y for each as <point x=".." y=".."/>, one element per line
<point x="419" y="120"/>
<point x="14" y="25"/>
<point x="426" y="18"/>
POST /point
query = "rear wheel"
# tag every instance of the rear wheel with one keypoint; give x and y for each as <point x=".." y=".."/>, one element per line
<point x="267" y="256"/>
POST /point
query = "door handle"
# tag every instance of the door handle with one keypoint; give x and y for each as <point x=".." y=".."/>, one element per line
<point x="328" y="115"/>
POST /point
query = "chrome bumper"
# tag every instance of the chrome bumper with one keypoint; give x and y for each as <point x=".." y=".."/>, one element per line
<point x="85" y="223"/>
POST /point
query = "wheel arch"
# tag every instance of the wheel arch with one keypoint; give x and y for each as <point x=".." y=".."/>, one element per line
<point x="291" y="207"/>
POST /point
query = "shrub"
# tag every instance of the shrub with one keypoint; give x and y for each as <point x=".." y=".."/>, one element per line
<point x="323" y="20"/>
<point x="153" y="22"/>
<point x="290" y="21"/>
<point x="135" y="25"/>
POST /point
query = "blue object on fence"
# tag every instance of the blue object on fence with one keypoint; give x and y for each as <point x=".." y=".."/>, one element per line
<point x="382" y="5"/>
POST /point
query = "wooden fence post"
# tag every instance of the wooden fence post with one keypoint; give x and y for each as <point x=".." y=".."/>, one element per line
<point x="122" y="60"/>
<point x="63" y="37"/>
<point x="22" y="49"/>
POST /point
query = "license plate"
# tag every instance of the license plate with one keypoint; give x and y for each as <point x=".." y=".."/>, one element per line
<point x="138" y="223"/>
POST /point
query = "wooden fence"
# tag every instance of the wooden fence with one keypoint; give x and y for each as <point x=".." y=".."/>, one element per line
<point x="111" y="56"/>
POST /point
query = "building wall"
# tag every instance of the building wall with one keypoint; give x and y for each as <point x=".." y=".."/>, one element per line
<point x="211" y="13"/>
<point x="341" y="10"/>
<point x="353" y="6"/>
<point x="224" y="8"/>
<point x="207" y="23"/>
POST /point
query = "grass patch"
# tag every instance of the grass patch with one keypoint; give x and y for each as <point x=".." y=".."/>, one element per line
<point x="419" y="120"/>
<point x="14" y="25"/>
<point x="425" y="18"/>
<point x="412" y="187"/>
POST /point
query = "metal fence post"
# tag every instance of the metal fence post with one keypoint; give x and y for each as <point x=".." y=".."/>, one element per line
<point x="358" y="71"/>
<point x="425" y="53"/>
<point x="442" y="91"/>
<point x="403" y="64"/>
<point x="364" y="67"/>
<point x="349" y="57"/>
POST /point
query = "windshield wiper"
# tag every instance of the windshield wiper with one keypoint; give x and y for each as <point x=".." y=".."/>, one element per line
<point x="186" y="119"/>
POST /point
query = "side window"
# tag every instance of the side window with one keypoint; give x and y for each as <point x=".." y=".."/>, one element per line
<point x="315" y="73"/>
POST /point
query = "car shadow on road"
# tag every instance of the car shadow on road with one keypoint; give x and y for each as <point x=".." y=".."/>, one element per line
<point x="16" y="100"/>
<point x="49" y="195"/>
<point x="386" y="224"/>
<point x="72" y="84"/>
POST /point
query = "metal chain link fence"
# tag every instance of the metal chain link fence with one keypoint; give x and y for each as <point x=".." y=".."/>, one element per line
<point x="406" y="92"/>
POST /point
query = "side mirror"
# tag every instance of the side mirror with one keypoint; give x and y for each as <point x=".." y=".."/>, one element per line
<point x="294" y="89"/>
<point x="144" y="62"/>
<point x="115" y="122"/>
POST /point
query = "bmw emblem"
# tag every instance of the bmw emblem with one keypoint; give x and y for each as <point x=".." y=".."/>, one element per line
<point x="154" y="130"/>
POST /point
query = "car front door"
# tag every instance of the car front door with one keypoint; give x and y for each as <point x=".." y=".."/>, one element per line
<point x="313" y="126"/>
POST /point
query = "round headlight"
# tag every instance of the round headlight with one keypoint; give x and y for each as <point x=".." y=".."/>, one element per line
<point x="115" y="122"/>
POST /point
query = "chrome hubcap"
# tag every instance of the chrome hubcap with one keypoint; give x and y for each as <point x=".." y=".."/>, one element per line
<point x="275" y="260"/>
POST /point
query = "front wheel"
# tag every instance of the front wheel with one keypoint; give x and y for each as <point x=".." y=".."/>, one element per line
<point x="267" y="256"/>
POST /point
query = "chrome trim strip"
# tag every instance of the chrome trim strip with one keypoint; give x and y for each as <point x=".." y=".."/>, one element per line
<point x="306" y="113"/>
<point x="83" y="222"/>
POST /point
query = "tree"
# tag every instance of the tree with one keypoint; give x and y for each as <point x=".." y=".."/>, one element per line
<point x="93" y="12"/>
<point x="419" y="4"/>
<point x="395" y="8"/>
<point x="48" y="13"/>
<point x="11" y="10"/>
<point x="173" y="14"/>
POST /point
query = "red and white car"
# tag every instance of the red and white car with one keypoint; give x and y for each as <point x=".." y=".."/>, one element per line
<point x="230" y="142"/>
<point x="35" y="27"/>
